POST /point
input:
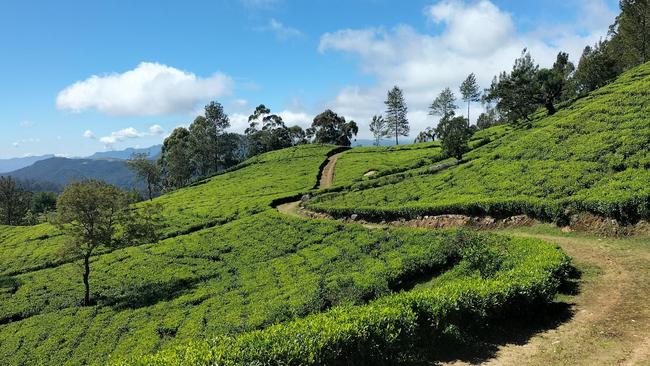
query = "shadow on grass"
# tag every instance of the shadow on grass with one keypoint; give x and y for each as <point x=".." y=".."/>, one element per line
<point x="516" y="328"/>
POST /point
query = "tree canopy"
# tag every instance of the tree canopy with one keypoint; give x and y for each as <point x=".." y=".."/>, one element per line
<point x="330" y="128"/>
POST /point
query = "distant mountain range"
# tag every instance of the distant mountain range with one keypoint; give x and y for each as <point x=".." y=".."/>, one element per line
<point x="152" y="151"/>
<point x="50" y="173"/>
<point x="61" y="171"/>
<point x="10" y="165"/>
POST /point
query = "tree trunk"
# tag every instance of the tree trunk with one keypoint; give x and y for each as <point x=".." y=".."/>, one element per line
<point x="468" y="103"/>
<point x="396" y="133"/>
<point x="550" y="108"/>
<point x="150" y="191"/>
<point x="86" y="282"/>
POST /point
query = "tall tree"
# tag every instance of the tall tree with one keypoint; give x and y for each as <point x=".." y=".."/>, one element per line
<point x="470" y="91"/>
<point x="379" y="128"/>
<point x="632" y="30"/>
<point x="597" y="67"/>
<point x="216" y="116"/>
<point x="396" y="111"/>
<point x="297" y="135"/>
<point x="14" y="201"/>
<point x="330" y="128"/>
<point x="88" y="213"/>
<point x="444" y="105"/>
<point x="267" y="131"/>
<point x="175" y="159"/>
<point x="554" y="82"/>
<point x="203" y="144"/>
<point x="147" y="170"/>
<point x="516" y="93"/>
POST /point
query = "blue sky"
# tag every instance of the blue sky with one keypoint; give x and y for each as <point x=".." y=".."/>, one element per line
<point x="83" y="76"/>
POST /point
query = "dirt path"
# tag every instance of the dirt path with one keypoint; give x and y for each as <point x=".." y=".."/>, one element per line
<point x="327" y="178"/>
<point x="611" y="321"/>
<point x="611" y="313"/>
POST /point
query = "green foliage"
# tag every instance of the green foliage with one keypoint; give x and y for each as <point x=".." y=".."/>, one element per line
<point x="454" y="133"/>
<point x="353" y="164"/>
<point x="470" y="91"/>
<point x="256" y="279"/>
<point x="14" y="202"/>
<point x="330" y="128"/>
<point x="175" y="159"/>
<point x="267" y="132"/>
<point x="379" y="129"/>
<point x="590" y="157"/>
<point x="632" y="31"/>
<point x="147" y="170"/>
<point x="394" y="329"/>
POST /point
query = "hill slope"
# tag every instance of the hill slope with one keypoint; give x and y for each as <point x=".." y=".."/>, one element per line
<point x="232" y="267"/>
<point x="591" y="156"/>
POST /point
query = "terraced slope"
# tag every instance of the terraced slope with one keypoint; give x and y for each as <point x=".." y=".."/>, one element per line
<point x="592" y="156"/>
<point x="235" y="269"/>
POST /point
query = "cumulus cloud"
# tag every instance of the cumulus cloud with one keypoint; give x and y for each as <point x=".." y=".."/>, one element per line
<point x="121" y="135"/>
<point x="156" y="130"/>
<point x="89" y="134"/>
<point x="126" y="134"/>
<point x="26" y="124"/>
<point x="149" y="89"/>
<point x="471" y="37"/>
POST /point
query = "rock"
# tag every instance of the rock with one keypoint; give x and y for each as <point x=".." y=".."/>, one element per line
<point x="354" y="217"/>
<point x="305" y="198"/>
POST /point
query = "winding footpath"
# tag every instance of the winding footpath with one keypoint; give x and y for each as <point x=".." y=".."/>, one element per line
<point x="609" y="321"/>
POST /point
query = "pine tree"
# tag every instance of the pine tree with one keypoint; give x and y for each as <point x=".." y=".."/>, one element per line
<point x="470" y="91"/>
<point x="444" y="105"/>
<point x="396" y="114"/>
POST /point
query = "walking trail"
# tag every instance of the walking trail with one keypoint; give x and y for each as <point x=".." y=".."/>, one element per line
<point x="610" y="316"/>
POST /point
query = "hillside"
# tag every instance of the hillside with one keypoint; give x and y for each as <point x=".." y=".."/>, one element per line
<point x="590" y="157"/>
<point x="233" y="267"/>
<point x="9" y="165"/>
<point x="61" y="171"/>
<point x="236" y="281"/>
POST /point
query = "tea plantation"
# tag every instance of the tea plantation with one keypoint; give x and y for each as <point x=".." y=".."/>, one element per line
<point x="592" y="156"/>
<point x="236" y="282"/>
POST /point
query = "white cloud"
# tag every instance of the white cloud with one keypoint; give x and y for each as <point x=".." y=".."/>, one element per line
<point x="26" y="124"/>
<point x="149" y="89"/>
<point x="121" y="135"/>
<point x="156" y="130"/>
<point x="89" y="134"/>
<point x="471" y="37"/>
<point x="128" y="133"/>
<point x="238" y="122"/>
<point x="282" y="32"/>
<point x="16" y="144"/>
<point x="301" y="119"/>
